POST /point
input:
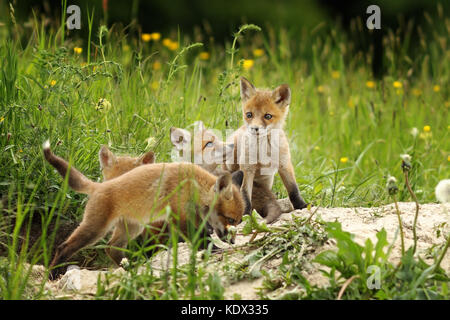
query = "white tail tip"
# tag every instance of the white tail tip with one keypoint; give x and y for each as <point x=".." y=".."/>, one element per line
<point x="46" y="144"/>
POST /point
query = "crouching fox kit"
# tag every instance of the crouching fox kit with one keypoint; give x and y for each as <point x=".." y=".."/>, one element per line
<point x="138" y="196"/>
<point x="212" y="153"/>
<point x="264" y="113"/>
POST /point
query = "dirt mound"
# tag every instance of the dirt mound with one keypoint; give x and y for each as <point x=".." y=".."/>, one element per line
<point x="433" y="223"/>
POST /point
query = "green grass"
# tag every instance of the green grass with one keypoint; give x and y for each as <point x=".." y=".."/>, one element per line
<point x="346" y="136"/>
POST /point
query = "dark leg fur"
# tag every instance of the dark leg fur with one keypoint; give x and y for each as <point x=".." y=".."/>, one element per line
<point x="265" y="202"/>
<point x="296" y="199"/>
<point x="288" y="178"/>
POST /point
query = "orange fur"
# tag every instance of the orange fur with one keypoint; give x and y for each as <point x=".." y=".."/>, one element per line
<point x="264" y="114"/>
<point x="205" y="144"/>
<point x="140" y="196"/>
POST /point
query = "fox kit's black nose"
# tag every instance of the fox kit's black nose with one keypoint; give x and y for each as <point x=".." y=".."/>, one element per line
<point x="255" y="129"/>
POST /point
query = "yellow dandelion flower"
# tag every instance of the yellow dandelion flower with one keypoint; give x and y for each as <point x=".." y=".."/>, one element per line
<point x="316" y="148"/>
<point x="248" y="64"/>
<point x="166" y="42"/>
<point x="331" y="113"/>
<point x="204" y="55"/>
<point x="344" y="160"/>
<point x="427" y="128"/>
<point x="52" y="83"/>
<point x="155" y="85"/>
<point x="448" y="158"/>
<point x="436" y="88"/>
<point x="370" y="84"/>
<point x="397" y="85"/>
<point x="258" y="53"/>
<point x="146" y="37"/>
<point x="156" y="65"/>
<point x="155" y="36"/>
<point x="94" y="68"/>
<point x="173" y="46"/>
<point x="320" y="89"/>
<point x="78" y="50"/>
<point x="335" y="74"/>
<point x="20" y="150"/>
<point x="2" y="119"/>
<point x="416" y="92"/>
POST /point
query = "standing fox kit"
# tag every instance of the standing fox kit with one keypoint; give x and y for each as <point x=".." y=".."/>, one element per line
<point x="264" y="113"/>
<point x="138" y="196"/>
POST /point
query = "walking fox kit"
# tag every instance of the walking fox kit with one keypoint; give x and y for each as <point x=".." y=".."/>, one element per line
<point x="264" y="113"/>
<point x="139" y="195"/>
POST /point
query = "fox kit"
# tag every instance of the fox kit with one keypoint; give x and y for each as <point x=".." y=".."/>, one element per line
<point x="208" y="146"/>
<point x="113" y="166"/>
<point x="264" y="113"/>
<point x="137" y="197"/>
<point x="204" y="148"/>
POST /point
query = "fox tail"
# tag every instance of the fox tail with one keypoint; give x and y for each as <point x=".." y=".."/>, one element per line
<point x="77" y="181"/>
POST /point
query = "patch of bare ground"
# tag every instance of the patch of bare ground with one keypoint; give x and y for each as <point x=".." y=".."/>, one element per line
<point x="433" y="223"/>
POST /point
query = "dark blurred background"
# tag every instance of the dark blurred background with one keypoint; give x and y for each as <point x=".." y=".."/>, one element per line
<point x="223" y="17"/>
<point x="219" y="19"/>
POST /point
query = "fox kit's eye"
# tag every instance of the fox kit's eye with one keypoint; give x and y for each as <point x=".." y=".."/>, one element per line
<point x="209" y="144"/>
<point x="230" y="220"/>
<point x="249" y="114"/>
<point x="267" y="116"/>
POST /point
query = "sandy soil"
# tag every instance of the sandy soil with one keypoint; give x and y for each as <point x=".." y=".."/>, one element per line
<point x="362" y="222"/>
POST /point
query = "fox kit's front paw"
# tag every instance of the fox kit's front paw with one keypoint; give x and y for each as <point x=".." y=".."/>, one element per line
<point x="296" y="200"/>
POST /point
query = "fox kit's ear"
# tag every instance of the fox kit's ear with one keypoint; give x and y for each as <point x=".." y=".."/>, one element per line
<point x="247" y="89"/>
<point x="224" y="186"/>
<point x="179" y="137"/>
<point x="107" y="158"/>
<point x="199" y="126"/>
<point x="149" y="157"/>
<point x="237" y="178"/>
<point x="282" y="96"/>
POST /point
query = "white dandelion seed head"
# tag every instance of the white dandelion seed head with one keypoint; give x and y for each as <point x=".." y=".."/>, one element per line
<point x="406" y="157"/>
<point x="391" y="180"/>
<point x="391" y="185"/>
<point x="414" y="132"/>
<point x="443" y="191"/>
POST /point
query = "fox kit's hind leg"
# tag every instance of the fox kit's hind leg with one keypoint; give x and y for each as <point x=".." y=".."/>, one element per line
<point x="288" y="177"/>
<point x="93" y="227"/>
<point x="124" y="231"/>
<point x="265" y="202"/>
<point x="247" y="188"/>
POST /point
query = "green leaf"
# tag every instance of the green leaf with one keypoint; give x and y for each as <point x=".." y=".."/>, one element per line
<point x="328" y="258"/>
<point x="381" y="243"/>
